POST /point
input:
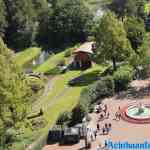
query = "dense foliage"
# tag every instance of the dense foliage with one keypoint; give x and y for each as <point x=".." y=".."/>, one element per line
<point x="120" y="38"/>
<point x="128" y="8"/>
<point x="15" y="95"/>
<point x="122" y="77"/>
<point x="64" y="119"/>
<point x="3" y="21"/>
<point x="49" y="24"/>
<point x="78" y="113"/>
<point x="100" y="89"/>
<point x="135" y="29"/>
<point x="67" y="22"/>
<point x="111" y="40"/>
<point x="21" y="23"/>
<point x="141" y="61"/>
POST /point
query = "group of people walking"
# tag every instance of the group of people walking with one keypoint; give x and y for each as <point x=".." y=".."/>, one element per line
<point x="102" y="128"/>
<point x="102" y="111"/>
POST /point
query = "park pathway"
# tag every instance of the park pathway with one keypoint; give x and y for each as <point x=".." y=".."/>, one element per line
<point x="43" y="101"/>
<point x="48" y="87"/>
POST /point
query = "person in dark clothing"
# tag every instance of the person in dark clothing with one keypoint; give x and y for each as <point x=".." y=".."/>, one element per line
<point x="98" y="126"/>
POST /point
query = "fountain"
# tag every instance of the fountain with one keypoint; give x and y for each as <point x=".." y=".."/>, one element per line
<point x="141" y="109"/>
<point x="136" y="113"/>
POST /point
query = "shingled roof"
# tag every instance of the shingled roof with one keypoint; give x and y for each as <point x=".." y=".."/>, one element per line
<point x="86" y="47"/>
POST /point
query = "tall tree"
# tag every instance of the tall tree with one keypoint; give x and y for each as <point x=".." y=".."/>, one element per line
<point x="40" y="6"/>
<point x="135" y="29"/>
<point x="21" y="23"/>
<point x="142" y="59"/>
<point x="14" y="93"/>
<point x="111" y="40"/>
<point x="3" y="21"/>
<point x="67" y="22"/>
<point x="124" y="8"/>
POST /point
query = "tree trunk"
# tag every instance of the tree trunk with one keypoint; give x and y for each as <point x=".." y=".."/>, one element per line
<point x="114" y="64"/>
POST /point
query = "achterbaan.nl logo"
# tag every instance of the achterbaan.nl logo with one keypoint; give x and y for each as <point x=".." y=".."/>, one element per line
<point x="125" y="145"/>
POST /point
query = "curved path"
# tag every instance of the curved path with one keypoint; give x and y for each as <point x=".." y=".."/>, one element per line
<point x="48" y="87"/>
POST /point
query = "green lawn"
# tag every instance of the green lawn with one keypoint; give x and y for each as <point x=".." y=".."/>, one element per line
<point x="59" y="84"/>
<point x="53" y="60"/>
<point x="65" y="103"/>
<point x="26" y="56"/>
<point x="50" y="63"/>
<point x="63" y="97"/>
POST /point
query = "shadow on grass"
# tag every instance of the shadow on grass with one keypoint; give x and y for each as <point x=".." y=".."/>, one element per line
<point x="53" y="71"/>
<point x="85" y="79"/>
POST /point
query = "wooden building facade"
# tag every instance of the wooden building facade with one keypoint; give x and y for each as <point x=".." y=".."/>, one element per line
<point x="82" y="55"/>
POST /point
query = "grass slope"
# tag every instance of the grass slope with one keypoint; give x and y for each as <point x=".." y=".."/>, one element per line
<point x="24" y="57"/>
<point x="50" y="63"/>
<point x="70" y="97"/>
<point x="62" y="97"/>
<point x="53" y="60"/>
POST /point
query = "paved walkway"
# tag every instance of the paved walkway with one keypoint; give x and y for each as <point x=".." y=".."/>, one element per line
<point x="121" y="130"/>
<point x="48" y="87"/>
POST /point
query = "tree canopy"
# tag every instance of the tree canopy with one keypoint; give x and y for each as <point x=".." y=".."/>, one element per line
<point x="135" y="29"/>
<point x="21" y="23"/>
<point x="15" y="95"/>
<point x="3" y="21"/>
<point x="49" y="23"/>
<point x="111" y="39"/>
<point x="67" y="22"/>
<point x="124" y="8"/>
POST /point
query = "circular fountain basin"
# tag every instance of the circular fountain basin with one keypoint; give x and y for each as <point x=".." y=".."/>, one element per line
<point x="132" y="114"/>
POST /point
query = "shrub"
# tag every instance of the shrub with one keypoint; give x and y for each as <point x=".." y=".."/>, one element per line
<point x="10" y="135"/>
<point x="35" y="83"/>
<point x="64" y="118"/>
<point x="68" y="53"/>
<point x="105" y="87"/>
<point x="38" y="123"/>
<point x="61" y="62"/>
<point x="145" y="72"/>
<point x="122" y="77"/>
<point x="78" y="113"/>
<point x="100" y="89"/>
